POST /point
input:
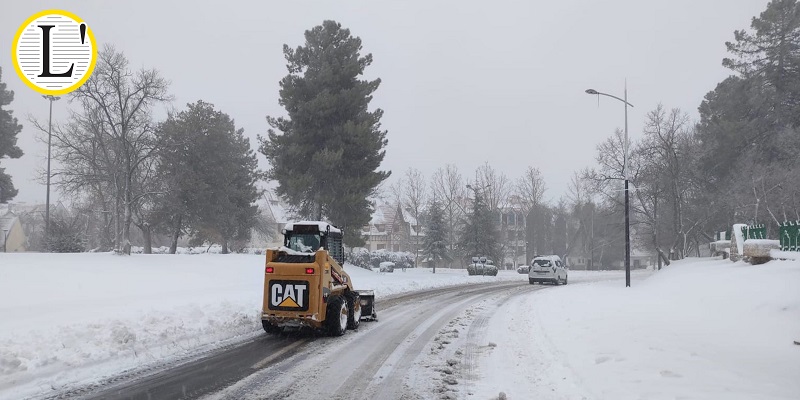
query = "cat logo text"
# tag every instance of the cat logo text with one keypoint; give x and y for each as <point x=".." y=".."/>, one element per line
<point x="288" y="295"/>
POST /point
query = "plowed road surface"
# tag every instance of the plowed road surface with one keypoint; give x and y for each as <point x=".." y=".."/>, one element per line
<point x="425" y="345"/>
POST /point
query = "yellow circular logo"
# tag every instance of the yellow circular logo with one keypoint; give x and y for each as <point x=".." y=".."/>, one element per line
<point x="54" y="52"/>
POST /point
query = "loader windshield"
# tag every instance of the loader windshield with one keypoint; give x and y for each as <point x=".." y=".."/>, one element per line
<point x="304" y="242"/>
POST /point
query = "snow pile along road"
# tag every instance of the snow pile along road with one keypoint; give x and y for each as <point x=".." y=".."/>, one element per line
<point x="78" y="318"/>
<point x="699" y="329"/>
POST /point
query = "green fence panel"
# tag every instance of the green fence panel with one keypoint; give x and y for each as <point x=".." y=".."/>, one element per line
<point x="754" y="232"/>
<point x="790" y="236"/>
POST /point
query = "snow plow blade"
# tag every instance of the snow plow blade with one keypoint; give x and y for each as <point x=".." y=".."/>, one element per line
<point x="368" y="312"/>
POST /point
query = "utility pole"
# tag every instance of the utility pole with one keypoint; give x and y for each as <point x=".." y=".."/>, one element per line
<point x="47" y="200"/>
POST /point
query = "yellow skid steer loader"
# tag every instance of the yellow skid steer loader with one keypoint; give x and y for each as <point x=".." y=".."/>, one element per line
<point x="306" y="286"/>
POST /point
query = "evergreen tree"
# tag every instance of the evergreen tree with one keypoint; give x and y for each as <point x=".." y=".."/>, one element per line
<point x="435" y="239"/>
<point x="748" y="130"/>
<point x="9" y="128"/>
<point x="326" y="156"/>
<point x="213" y="172"/>
<point x="479" y="234"/>
<point x="772" y="52"/>
<point x="64" y="236"/>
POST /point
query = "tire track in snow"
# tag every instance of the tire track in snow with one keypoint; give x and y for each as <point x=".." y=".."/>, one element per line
<point x="371" y="363"/>
<point x="476" y="338"/>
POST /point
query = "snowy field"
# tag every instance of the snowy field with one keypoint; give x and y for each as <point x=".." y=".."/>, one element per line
<point x="699" y="329"/>
<point x="77" y="318"/>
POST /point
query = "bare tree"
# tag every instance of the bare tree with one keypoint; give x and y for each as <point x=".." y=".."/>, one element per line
<point x="529" y="190"/>
<point x="412" y="195"/>
<point x="528" y="195"/>
<point x="106" y="148"/>
<point x="494" y="186"/>
<point x="449" y="187"/>
<point x="496" y="189"/>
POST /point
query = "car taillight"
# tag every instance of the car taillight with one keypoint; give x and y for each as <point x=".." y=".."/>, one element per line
<point x="270" y="270"/>
<point x="309" y="271"/>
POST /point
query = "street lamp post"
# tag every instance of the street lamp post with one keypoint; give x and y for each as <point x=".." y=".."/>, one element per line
<point x="625" y="175"/>
<point x="5" y="240"/>
<point x="51" y="99"/>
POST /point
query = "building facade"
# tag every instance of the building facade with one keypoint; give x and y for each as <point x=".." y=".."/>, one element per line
<point x="512" y="237"/>
<point x="12" y="235"/>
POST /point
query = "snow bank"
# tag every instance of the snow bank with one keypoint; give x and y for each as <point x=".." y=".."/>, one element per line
<point x="738" y="240"/>
<point x="760" y="248"/>
<point x="699" y="329"/>
<point x="77" y="318"/>
<point x="785" y="255"/>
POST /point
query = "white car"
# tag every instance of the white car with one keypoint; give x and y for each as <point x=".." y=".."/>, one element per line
<point x="548" y="269"/>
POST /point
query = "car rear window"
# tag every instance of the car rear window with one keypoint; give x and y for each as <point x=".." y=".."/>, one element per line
<point x="542" y="263"/>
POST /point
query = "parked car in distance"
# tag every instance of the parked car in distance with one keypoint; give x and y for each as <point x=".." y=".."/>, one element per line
<point x="482" y="266"/>
<point x="548" y="269"/>
<point x="523" y="269"/>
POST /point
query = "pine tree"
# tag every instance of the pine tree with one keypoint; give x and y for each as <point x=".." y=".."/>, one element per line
<point x="479" y="234"/>
<point x="772" y="52"/>
<point x="9" y="128"/>
<point x="435" y="239"/>
<point x="213" y="172"/>
<point x="326" y="156"/>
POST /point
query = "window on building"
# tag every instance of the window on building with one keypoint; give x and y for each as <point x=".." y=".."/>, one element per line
<point x="380" y="227"/>
<point x="395" y="227"/>
<point x="512" y="219"/>
<point x="365" y="228"/>
<point x="396" y="247"/>
<point x="380" y="246"/>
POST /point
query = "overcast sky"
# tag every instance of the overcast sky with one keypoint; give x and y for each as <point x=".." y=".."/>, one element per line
<point x="463" y="82"/>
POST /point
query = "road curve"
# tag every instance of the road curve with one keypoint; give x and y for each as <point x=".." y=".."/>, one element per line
<point x="367" y="363"/>
<point x="378" y="361"/>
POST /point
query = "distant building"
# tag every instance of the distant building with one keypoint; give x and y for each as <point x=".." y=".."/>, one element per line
<point x="512" y="237"/>
<point x="275" y="213"/>
<point x="12" y="235"/>
<point x="392" y="228"/>
<point x="578" y="261"/>
<point x="639" y="259"/>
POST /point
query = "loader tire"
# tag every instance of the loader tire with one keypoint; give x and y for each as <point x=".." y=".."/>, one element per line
<point x="353" y="310"/>
<point x="269" y="328"/>
<point x="336" y="317"/>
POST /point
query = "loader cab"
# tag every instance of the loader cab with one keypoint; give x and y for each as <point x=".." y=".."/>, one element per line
<point x="308" y="237"/>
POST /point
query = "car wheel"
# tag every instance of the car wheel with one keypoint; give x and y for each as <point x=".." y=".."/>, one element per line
<point x="531" y="281"/>
<point x="566" y="279"/>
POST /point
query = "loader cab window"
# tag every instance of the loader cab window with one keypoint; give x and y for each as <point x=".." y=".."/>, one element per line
<point x="304" y="242"/>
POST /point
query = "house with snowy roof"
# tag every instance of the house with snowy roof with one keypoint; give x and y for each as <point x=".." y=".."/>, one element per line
<point x="276" y="215"/>
<point x="12" y="236"/>
<point x="392" y="228"/>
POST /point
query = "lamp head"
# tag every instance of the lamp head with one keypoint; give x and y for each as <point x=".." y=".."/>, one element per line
<point x="592" y="91"/>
